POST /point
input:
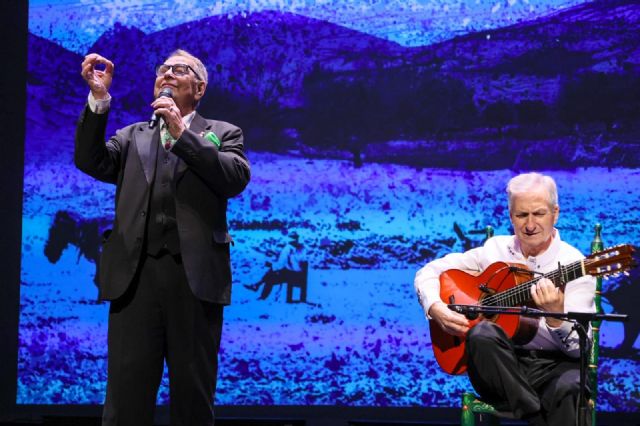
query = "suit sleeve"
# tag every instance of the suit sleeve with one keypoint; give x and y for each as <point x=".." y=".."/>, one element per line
<point x="92" y="155"/>
<point x="225" y="170"/>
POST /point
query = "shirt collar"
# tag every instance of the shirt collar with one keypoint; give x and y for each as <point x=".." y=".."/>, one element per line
<point x="543" y="259"/>
<point x="187" y="119"/>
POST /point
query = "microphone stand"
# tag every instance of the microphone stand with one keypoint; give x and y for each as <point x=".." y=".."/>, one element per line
<point x="580" y="322"/>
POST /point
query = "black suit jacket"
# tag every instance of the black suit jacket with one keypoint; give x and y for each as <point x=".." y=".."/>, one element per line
<point x="204" y="178"/>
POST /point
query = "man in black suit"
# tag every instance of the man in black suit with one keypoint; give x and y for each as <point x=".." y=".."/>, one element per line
<point x="165" y="267"/>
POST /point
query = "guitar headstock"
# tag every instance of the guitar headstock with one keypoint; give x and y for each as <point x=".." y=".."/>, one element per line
<point x="610" y="261"/>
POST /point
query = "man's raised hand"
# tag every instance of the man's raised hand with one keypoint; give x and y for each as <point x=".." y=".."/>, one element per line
<point x="97" y="71"/>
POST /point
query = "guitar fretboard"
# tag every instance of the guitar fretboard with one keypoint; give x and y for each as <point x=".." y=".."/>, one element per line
<point x="521" y="293"/>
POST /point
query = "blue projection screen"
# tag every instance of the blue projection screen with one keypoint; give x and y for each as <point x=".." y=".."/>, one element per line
<point x="382" y="133"/>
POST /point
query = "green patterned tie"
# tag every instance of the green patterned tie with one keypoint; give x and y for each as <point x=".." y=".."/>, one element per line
<point x="165" y="137"/>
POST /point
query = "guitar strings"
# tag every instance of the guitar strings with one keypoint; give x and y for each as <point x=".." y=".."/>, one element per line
<point x="521" y="292"/>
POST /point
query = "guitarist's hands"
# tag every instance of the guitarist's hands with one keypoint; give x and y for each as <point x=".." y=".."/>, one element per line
<point x="452" y="322"/>
<point x="549" y="298"/>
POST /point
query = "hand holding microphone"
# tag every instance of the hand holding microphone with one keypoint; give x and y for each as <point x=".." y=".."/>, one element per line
<point x="165" y="107"/>
<point x="164" y="93"/>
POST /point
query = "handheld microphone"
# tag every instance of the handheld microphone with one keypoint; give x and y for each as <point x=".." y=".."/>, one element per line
<point x="164" y="93"/>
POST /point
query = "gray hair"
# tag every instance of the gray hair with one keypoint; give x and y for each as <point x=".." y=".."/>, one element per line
<point x="198" y="65"/>
<point x="528" y="182"/>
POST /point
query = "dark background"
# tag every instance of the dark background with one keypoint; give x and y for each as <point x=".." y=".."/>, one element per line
<point x="13" y="33"/>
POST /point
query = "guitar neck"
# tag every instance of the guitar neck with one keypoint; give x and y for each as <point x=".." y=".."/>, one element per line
<point x="521" y="293"/>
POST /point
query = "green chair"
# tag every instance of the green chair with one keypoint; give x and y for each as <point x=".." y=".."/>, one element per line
<point x="472" y="404"/>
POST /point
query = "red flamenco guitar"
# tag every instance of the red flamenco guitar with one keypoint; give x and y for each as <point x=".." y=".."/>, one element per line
<point x="503" y="284"/>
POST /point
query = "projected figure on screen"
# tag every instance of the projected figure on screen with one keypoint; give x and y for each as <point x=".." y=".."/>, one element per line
<point x="86" y="234"/>
<point x="165" y="267"/>
<point x="290" y="269"/>
<point x="467" y="242"/>
<point x="536" y="377"/>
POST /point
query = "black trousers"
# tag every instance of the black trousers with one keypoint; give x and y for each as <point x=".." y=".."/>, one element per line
<point x="159" y="319"/>
<point x="536" y="385"/>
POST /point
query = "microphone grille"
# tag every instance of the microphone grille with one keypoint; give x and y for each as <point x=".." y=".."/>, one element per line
<point x="166" y="93"/>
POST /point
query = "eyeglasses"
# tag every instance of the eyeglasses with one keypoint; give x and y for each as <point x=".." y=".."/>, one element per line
<point x="178" y="70"/>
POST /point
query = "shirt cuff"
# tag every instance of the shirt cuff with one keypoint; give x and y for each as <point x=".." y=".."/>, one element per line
<point x="561" y="332"/>
<point x="428" y="295"/>
<point x="99" y="106"/>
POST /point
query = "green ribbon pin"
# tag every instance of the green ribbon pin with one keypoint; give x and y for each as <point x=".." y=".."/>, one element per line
<point x="211" y="137"/>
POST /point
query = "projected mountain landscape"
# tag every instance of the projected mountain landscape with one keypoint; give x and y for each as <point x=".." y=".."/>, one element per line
<point x="371" y="151"/>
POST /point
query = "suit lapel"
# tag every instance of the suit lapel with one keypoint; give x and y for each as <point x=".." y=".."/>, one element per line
<point x="147" y="145"/>
<point x="198" y="126"/>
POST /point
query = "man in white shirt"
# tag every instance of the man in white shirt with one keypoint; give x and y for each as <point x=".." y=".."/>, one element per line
<point x="537" y="381"/>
